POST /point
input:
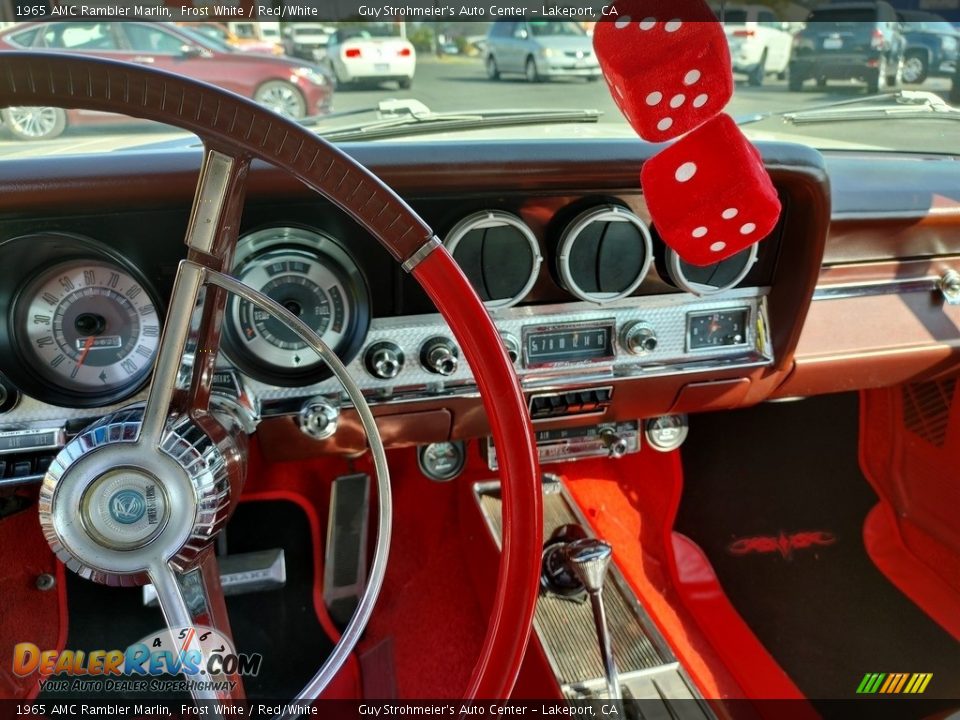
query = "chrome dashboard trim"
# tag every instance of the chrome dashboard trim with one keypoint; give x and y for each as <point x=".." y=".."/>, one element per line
<point x="880" y="287"/>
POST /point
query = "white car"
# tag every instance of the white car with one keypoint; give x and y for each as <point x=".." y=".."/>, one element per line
<point x="355" y="55"/>
<point x="760" y="44"/>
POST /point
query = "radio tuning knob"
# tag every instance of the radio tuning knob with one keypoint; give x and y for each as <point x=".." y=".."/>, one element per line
<point x="439" y="355"/>
<point x="384" y="360"/>
<point x="615" y="444"/>
<point x="638" y="337"/>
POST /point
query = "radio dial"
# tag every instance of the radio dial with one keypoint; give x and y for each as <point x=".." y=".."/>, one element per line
<point x="639" y="338"/>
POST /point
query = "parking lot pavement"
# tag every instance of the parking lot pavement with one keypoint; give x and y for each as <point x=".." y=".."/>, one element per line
<point x="460" y="84"/>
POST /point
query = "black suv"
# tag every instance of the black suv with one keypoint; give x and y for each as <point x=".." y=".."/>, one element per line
<point x="860" y="40"/>
<point x="932" y="46"/>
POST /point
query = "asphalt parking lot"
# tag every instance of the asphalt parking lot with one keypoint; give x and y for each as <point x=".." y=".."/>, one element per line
<point x="460" y="84"/>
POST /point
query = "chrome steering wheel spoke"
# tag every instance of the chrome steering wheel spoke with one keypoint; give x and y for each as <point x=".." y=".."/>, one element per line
<point x="156" y="484"/>
<point x="211" y="238"/>
<point x="192" y="601"/>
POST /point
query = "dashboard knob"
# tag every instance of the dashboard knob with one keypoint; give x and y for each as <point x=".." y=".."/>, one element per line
<point x="440" y="356"/>
<point x="384" y="360"/>
<point x="615" y="444"/>
<point x="512" y="345"/>
<point x="318" y="418"/>
<point x="638" y="338"/>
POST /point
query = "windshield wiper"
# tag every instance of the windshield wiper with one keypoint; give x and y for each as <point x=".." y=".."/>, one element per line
<point x="905" y="104"/>
<point x="398" y="118"/>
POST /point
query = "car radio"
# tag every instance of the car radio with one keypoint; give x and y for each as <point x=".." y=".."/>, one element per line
<point x="614" y="439"/>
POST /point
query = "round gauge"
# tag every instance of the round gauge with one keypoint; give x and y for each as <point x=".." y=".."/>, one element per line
<point x="710" y="279"/>
<point x="604" y="254"/>
<point x="442" y="461"/>
<point x="313" y="278"/>
<point x="498" y="253"/>
<point x="88" y="329"/>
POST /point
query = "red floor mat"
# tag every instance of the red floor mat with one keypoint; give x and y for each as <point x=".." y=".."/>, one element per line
<point x="28" y="614"/>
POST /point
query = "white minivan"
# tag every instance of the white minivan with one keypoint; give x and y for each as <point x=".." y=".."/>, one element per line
<point x="760" y="43"/>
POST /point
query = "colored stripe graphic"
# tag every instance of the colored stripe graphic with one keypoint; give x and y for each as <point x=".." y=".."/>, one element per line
<point x="894" y="683"/>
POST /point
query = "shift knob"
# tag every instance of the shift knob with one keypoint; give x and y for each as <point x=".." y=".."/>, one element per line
<point x="589" y="559"/>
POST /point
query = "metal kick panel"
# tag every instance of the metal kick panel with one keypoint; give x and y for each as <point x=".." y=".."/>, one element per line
<point x="566" y="628"/>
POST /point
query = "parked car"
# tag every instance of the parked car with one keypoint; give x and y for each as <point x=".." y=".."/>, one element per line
<point x="760" y="44"/>
<point x="307" y="41"/>
<point x="355" y="55"/>
<point x="858" y="40"/>
<point x="293" y="89"/>
<point x="540" y="50"/>
<point x="223" y="33"/>
<point x="258" y="37"/>
<point x="932" y="46"/>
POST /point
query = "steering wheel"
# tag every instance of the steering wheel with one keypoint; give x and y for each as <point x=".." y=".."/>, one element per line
<point x="188" y="459"/>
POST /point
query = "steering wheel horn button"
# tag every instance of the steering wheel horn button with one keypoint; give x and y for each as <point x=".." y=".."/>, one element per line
<point x="124" y="509"/>
<point x="112" y="509"/>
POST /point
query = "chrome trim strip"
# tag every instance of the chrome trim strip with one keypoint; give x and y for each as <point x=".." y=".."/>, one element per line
<point x="879" y="287"/>
<point x="421" y="253"/>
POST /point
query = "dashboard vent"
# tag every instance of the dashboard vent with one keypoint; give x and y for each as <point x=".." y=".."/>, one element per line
<point x="498" y="253"/>
<point x="926" y="409"/>
<point x="604" y="254"/>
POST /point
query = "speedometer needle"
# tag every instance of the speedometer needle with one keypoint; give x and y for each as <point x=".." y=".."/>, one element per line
<point x="88" y="343"/>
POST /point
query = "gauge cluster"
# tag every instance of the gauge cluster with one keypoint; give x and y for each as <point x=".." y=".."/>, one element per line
<point x="83" y="325"/>
<point x="314" y="278"/>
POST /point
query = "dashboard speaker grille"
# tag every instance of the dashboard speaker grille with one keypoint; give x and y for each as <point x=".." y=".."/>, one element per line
<point x="926" y="409"/>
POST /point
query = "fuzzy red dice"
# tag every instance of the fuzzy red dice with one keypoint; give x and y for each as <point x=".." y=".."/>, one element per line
<point x="667" y="64"/>
<point x="709" y="194"/>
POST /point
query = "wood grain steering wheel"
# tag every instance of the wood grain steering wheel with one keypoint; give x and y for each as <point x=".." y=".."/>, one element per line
<point x="177" y="444"/>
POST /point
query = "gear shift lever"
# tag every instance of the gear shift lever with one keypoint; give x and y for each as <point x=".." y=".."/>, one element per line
<point x="588" y="559"/>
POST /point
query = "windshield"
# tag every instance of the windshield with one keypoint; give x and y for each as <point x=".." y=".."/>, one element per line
<point x="520" y="78"/>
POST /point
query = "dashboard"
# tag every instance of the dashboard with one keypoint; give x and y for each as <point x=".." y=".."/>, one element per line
<point x="605" y="325"/>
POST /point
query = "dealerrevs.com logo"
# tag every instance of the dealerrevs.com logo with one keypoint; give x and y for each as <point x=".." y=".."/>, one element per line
<point x="202" y="656"/>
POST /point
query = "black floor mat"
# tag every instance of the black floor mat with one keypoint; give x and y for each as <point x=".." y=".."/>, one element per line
<point x="756" y="482"/>
<point x="279" y="624"/>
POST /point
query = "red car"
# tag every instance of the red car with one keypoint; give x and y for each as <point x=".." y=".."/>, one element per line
<point x="289" y="87"/>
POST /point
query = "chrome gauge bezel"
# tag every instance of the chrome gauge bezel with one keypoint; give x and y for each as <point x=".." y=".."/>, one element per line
<point x="496" y="218"/>
<point x="679" y="279"/>
<point x="264" y="361"/>
<point x="603" y="213"/>
<point x="32" y="257"/>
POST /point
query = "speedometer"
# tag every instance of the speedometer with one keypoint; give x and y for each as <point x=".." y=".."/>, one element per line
<point x="88" y="329"/>
<point x="316" y="280"/>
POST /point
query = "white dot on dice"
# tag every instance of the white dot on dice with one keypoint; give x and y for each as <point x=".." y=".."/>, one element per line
<point x="672" y="26"/>
<point x="686" y="171"/>
<point x="691" y="77"/>
<point x="718" y="246"/>
<point x="699" y="232"/>
<point x="648" y="23"/>
<point x="665" y="124"/>
<point x="729" y="213"/>
<point x="621" y="23"/>
<point x="654" y="97"/>
<point x="677" y="100"/>
<point x="747" y="228"/>
<point x="700" y="100"/>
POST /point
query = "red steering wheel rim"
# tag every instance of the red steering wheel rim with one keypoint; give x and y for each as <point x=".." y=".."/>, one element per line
<point x="236" y="125"/>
